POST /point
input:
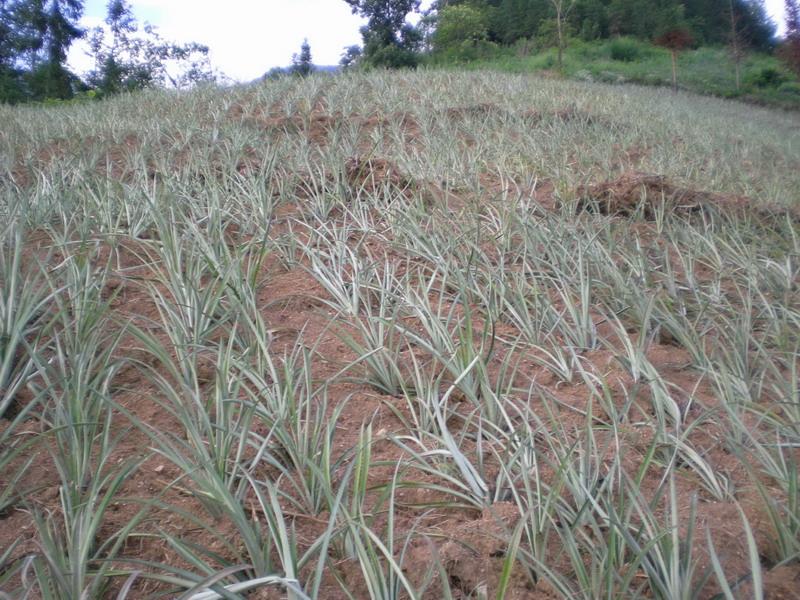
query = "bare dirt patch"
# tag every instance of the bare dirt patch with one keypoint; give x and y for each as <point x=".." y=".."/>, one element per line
<point x="651" y="194"/>
<point x="373" y="174"/>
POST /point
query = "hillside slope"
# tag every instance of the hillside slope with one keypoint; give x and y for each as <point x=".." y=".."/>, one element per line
<point x="764" y="79"/>
<point x="434" y="335"/>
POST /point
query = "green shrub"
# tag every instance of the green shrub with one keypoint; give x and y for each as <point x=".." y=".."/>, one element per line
<point x="548" y="61"/>
<point x="12" y="86"/>
<point x="524" y="46"/>
<point x="625" y="50"/>
<point x="766" y="77"/>
<point x="468" y="51"/>
<point x="390" y="57"/>
<point x="586" y="50"/>
<point x="547" y="34"/>
<point x="791" y="88"/>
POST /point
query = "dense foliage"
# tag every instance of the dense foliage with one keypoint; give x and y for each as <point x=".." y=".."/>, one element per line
<point x="128" y="57"/>
<point x="35" y="36"/>
<point x="606" y="34"/>
<point x="461" y="31"/>
<point x="708" y="20"/>
<point x="388" y="40"/>
<point x="791" y="49"/>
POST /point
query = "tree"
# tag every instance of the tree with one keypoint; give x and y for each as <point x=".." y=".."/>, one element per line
<point x="707" y="20"/>
<point x="562" y="9"/>
<point x="350" y="57"/>
<point x="675" y="40"/>
<point x="35" y="36"/>
<point x="459" y="25"/>
<point x="12" y="87"/>
<point x="512" y="20"/>
<point x="590" y="17"/>
<point x="7" y="50"/>
<point x="128" y="58"/>
<point x="116" y="69"/>
<point x="756" y="27"/>
<point x="302" y="64"/>
<point x="385" y="17"/>
<point x="57" y="22"/>
<point x="25" y="29"/>
<point x="711" y="23"/>
<point x="736" y="45"/>
<point x="61" y="18"/>
<point x="388" y="40"/>
<point x="791" y="47"/>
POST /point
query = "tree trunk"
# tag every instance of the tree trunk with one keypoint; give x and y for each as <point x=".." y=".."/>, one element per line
<point x="736" y="51"/>
<point x="674" y="70"/>
<point x="738" y="76"/>
<point x="560" y="42"/>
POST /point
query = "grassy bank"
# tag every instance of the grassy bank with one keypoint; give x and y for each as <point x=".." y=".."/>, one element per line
<point x="764" y="79"/>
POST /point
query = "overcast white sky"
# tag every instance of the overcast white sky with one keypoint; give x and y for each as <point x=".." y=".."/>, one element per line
<point x="248" y="37"/>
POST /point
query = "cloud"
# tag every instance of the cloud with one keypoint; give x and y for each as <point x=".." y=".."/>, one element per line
<point x="248" y="37"/>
